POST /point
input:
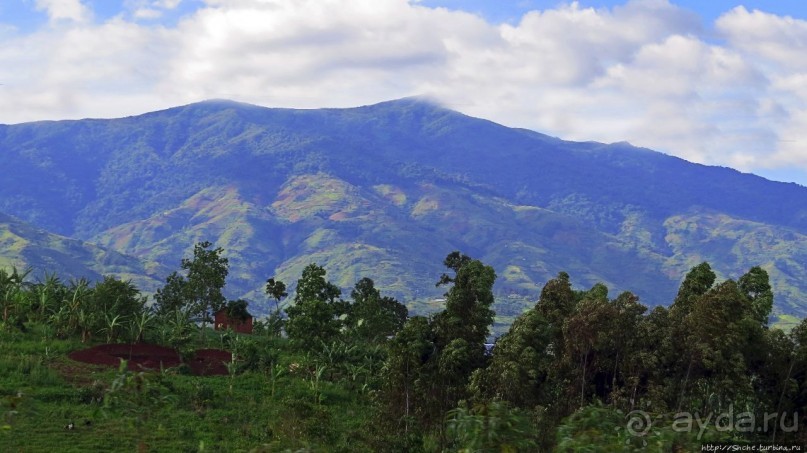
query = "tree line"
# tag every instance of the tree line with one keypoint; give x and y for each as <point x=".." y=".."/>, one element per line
<point x="568" y="373"/>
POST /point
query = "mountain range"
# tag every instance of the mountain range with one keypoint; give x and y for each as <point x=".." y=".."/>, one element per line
<point x="384" y="191"/>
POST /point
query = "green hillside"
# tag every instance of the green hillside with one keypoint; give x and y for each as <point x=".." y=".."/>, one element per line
<point x="24" y="246"/>
<point x="391" y="188"/>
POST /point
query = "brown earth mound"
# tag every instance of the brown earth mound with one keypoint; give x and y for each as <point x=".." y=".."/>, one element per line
<point x="140" y="357"/>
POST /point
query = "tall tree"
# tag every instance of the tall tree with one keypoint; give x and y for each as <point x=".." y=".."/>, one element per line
<point x="696" y="283"/>
<point x="173" y="296"/>
<point x="584" y="333"/>
<point x="275" y="289"/>
<point x="461" y="329"/>
<point x="468" y="314"/>
<point x="406" y="375"/>
<point x="715" y="343"/>
<point x="621" y="344"/>
<point x="757" y="288"/>
<point x="373" y="317"/>
<point x="207" y="273"/>
<point x="314" y="317"/>
<point x="555" y="304"/>
<point x="519" y="364"/>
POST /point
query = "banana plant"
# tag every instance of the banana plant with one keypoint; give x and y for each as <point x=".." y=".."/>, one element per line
<point x="315" y="382"/>
<point x="138" y="325"/>
<point x="12" y="287"/>
<point x="47" y="295"/>
<point x="111" y="326"/>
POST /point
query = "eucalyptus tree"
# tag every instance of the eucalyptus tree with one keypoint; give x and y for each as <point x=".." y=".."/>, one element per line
<point x="407" y="391"/>
<point x="683" y="367"/>
<point x="584" y="337"/>
<point x="647" y="369"/>
<point x="460" y="333"/>
<point x="520" y="364"/>
<point x="314" y="319"/>
<point x="696" y="283"/>
<point x="756" y="286"/>
<point x="275" y="289"/>
<point x="719" y="343"/>
<point x="468" y="314"/>
<point x="725" y="333"/>
<point x="555" y="304"/>
<point x="621" y="342"/>
<point x="373" y="317"/>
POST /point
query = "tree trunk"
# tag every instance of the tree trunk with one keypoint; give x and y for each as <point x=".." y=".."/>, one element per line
<point x="583" y="378"/>
<point x="782" y="395"/>
<point x="684" y="386"/>
<point x="613" y="378"/>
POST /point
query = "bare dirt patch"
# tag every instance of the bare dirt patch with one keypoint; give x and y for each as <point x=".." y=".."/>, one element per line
<point x="142" y="357"/>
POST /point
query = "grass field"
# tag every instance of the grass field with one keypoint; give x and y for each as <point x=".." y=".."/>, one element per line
<point x="287" y="407"/>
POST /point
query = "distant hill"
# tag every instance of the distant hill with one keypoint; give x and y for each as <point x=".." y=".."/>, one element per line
<point x="24" y="246"/>
<point x="387" y="190"/>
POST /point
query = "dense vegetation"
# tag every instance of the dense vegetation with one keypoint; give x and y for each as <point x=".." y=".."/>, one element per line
<point x="385" y="190"/>
<point x="579" y="371"/>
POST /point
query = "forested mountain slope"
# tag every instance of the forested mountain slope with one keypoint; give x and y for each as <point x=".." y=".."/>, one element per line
<point x="385" y="191"/>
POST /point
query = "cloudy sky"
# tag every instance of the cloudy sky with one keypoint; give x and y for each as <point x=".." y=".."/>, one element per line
<point x="716" y="82"/>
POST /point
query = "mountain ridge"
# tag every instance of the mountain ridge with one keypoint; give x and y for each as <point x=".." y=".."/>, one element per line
<point x="401" y="182"/>
<point x="25" y="246"/>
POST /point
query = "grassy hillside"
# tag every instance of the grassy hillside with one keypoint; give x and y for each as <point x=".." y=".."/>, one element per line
<point x="25" y="246"/>
<point x="42" y="391"/>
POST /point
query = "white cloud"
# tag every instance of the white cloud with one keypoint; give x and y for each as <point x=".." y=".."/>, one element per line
<point x="147" y="13"/>
<point x="773" y="39"/>
<point x="168" y="4"/>
<point x="647" y="71"/>
<point x="150" y="9"/>
<point x="778" y="46"/>
<point x="57" y="10"/>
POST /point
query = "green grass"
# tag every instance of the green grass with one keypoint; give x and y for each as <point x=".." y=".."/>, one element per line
<point x="785" y="322"/>
<point x="42" y="390"/>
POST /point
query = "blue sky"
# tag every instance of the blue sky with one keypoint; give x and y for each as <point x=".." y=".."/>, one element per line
<point x="24" y="14"/>
<point x="712" y="81"/>
<point x="708" y="10"/>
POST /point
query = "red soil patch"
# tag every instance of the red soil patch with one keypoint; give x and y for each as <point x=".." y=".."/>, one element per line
<point x="141" y="357"/>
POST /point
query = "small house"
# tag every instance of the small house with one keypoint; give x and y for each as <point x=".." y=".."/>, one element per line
<point x="234" y="316"/>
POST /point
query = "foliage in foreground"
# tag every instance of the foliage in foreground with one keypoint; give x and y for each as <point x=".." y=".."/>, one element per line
<point x="579" y="371"/>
